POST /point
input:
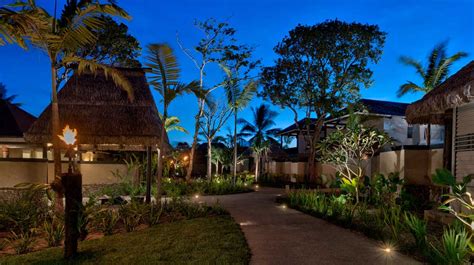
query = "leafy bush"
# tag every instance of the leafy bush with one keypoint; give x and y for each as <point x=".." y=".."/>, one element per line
<point x="86" y="215"/>
<point x="417" y="228"/>
<point x="54" y="231"/>
<point x="392" y="219"/>
<point x="22" y="242"/>
<point x="25" y="210"/>
<point x="454" y="248"/>
<point x="106" y="220"/>
<point x="153" y="214"/>
<point x="132" y="215"/>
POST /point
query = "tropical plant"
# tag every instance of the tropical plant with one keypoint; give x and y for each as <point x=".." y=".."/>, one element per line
<point x="260" y="129"/>
<point x="9" y="99"/>
<point x="348" y="150"/>
<point x="3" y="244"/>
<point x="61" y="39"/>
<point x="214" y="117"/>
<point x="260" y="149"/>
<point x="310" y="77"/>
<point x="218" y="46"/>
<point x="454" y="248"/>
<point x="131" y="215"/>
<point x="418" y="228"/>
<point x="383" y="189"/>
<point x="154" y="213"/>
<point x="106" y="220"/>
<point x="392" y="217"/>
<point x="435" y="72"/>
<point x="54" y="230"/>
<point x="22" y="242"/>
<point x="460" y="195"/>
<point x="173" y="124"/>
<point x="164" y="77"/>
<point x="86" y="216"/>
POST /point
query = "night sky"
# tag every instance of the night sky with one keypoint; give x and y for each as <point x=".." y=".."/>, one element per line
<point x="413" y="28"/>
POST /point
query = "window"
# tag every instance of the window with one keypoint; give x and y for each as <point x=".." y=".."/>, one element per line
<point x="410" y="132"/>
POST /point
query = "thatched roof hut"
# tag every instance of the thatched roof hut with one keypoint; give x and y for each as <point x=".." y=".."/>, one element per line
<point x="102" y="112"/>
<point x="455" y="91"/>
<point x="14" y="121"/>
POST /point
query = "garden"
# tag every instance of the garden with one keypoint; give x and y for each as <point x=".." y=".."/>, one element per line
<point x="384" y="207"/>
<point x="29" y="221"/>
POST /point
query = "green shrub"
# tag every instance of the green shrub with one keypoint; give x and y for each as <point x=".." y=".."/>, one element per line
<point x="392" y="218"/>
<point x="153" y="214"/>
<point x="454" y="248"/>
<point x="417" y="228"/>
<point x="132" y="215"/>
<point x="54" y="231"/>
<point x="22" y="242"/>
<point x="86" y="215"/>
<point x="106" y="220"/>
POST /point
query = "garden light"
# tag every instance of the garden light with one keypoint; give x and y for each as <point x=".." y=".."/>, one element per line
<point x="196" y="196"/>
<point x="68" y="136"/>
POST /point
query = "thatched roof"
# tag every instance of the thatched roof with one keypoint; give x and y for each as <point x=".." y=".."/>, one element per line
<point x="14" y="121"/>
<point x="102" y="112"/>
<point x="455" y="91"/>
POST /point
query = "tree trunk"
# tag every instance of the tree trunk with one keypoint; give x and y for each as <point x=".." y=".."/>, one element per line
<point x="256" y="167"/>
<point x="195" y="138"/>
<point x="160" y="153"/>
<point x="312" y="153"/>
<point x="148" y="175"/>
<point x="234" y="170"/>
<point x="209" y="159"/>
<point x="55" y="131"/>
<point x="72" y="183"/>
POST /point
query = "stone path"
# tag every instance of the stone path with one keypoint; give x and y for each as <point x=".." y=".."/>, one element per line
<point x="277" y="235"/>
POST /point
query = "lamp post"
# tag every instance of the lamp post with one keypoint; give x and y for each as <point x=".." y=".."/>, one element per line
<point x="72" y="186"/>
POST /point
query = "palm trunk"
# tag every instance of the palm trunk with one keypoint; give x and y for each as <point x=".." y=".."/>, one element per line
<point x="256" y="167"/>
<point x="209" y="157"/>
<point x="55" y="131"/>
<point x="160" y="153"/>
<point x="234" y="170"/>
<point x="195" y="137"/>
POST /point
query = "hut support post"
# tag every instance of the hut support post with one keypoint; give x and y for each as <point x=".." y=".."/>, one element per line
<point x="148" y="174"/>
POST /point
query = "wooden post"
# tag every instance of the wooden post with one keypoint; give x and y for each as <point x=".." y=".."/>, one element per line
<point x="72" y="184"/>
<point x="148" y="175"/>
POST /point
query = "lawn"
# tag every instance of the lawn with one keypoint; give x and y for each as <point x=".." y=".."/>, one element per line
<point x="209" y="240"/>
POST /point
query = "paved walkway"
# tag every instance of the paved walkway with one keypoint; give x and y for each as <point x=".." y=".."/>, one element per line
<point x="277" y="235"/>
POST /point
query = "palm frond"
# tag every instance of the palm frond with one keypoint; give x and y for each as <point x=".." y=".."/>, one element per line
<point x="164" y="66"/>
<point x="417" y="65"/>
<point x="173" y="124"/>
<point x="85" y="65"/>
<point x="409" y="87"/>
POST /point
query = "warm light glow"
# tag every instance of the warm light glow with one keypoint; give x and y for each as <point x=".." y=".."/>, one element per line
<point x="256" y="186"/>
<point x="49" y="144"/>
<point x="185" y="158"/>
<point x="69" y="135"/>
<point x="196" y="196"/>
<point x="284" y="206"/>
<point x="388" y="250"/>
<point x="245" y="184"/>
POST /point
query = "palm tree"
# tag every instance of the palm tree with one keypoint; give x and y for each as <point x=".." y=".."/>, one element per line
<point x="8" y="99"/>
<point x="260" y="149"/>
<point x="261" y="129"/>
<point x="238" y="99"/>
<point x="164" y="76"/>
<point x="435" y="72"/>
<point x="173" y="124"/>
<point x="61" y="38"/>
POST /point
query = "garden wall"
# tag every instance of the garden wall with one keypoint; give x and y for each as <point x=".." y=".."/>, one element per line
<point x="15" y="171"/>
<point x="414" y="165"/>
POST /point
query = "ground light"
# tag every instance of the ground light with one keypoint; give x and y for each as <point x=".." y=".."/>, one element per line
<point x="196" y="196"/>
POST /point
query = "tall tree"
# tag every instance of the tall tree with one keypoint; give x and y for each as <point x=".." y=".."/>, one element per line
<point x="260" y="131"/>
<point x="164" y="77"/>
<point x="214" y="117"/>
<point x="114" y="46"/>
<point x="238" y="99"/>
<point x="320" y="69"/>
<point x="61" y="38"/>
<point x="434" y="73"/>
<point x="217" y="46"/>
<point x="3" y="95"/>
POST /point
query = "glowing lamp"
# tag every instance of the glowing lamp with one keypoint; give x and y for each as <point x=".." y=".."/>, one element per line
<point x="69" y="135"/>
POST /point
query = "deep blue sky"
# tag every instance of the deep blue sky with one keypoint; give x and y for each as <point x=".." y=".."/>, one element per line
<point x="413" y="28"/>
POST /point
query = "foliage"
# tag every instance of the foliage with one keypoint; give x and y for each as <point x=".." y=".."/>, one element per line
<point x="86" y="216"/>
<point x="22" y="242"/>
<point x="348" y="150"/>
<point x="392" y="217"/>
<point x="3" y="244"/>
<point x="210" y="240"/>
<point x="25" y="210"/>
<point x="114" y="45"/>
<point x="454" y="248"/>
<point x="435" y="72"/>
<point x="154" y="213"/>
<point x="418" y="228"/>
<point x="3" y="96"/>
<point x="106" y="220"/>
<point x="132" y="215"/>
<point x="54" y="230"/>
<point x="383" y="189"/>
<point x="310" y="77"/>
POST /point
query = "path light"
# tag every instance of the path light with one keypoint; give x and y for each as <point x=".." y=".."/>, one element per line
<point x="196" y="196"/>
<point x="388" y="250"/>
<point x="284" y="206"/>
